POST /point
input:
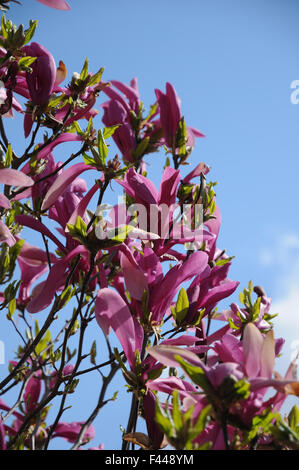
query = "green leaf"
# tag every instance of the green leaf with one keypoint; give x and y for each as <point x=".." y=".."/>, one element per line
<point x="163" y="422"/>
<point x="256" y="309"/>
<point x="102" y="147"/>
<point x="293" y="418"/>
<point x="109" y="131"/>
<point x="176" y="412"/>
<point x="8" y="156"/>
<point x="96" y="78"/>
<point x="54" y="102"/>
<point x="29" y="33"/>
<point x="4" y="32"/>
<point x="195" y="373"/>
<point x="93" y="353"/>
<point x="11" y="308"/>
<point x="182" y="306"/>
<point x="43" y="342"/>
<point x="66" y="295"/>
<point x="142" y="147"/>
<point x="84" y="71"/>
<point x="202" y="420"/>
<point x="25" y="62"/>
<point x="88" y="160"/>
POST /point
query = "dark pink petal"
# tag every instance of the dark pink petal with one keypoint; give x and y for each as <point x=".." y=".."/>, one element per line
<point x="175" y="106"/>
<point x="139" y="187"/>
<point x="112" y="312"/>
<point x="41" y="79"/>
<point x="223" y="290"/>
<point x="163" y="294"/>
<point x="169" y="185"/>
<point x="32" y="392"/>
<point x="154" y="432"/>
<point x="62" y="182"/>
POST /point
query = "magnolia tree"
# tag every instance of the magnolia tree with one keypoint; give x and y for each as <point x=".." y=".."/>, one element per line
<point x="148" y="268"/>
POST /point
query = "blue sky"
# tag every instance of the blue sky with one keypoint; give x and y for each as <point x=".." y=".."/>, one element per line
<point x="232" y="63"/>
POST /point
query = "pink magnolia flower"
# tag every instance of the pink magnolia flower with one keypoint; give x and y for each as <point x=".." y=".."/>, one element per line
<point x="117" y="111"/>
<point x="170" y="115"/>
<point x="42" y="79"/>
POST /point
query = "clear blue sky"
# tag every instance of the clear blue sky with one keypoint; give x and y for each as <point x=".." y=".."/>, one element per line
<point x="232" y="63"/>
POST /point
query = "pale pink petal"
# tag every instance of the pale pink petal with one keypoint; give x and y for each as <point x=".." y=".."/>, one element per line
<point x="252" y="349"/>
<point x="268" y="355"/>
<point x="4" y="201"/>
<point x="5" y="235"/>
<point x="15" y="178"/>
<point x="167" y="355"/>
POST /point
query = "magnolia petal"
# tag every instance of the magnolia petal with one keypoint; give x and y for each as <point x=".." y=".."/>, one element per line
<point x="136" y="281"/>
<point x="62" y="182"/>
<point x="4" y="202"/>
<point x="112" y="312"/>
<point x="166" y="355"/>
<point x="252" y="349"/>
<point x="57" y="4"/>
<point x="5" y="235"/>
<point x="15" y="178"/>
<point x="82" y="206"/>
<point x="268" y="355"/>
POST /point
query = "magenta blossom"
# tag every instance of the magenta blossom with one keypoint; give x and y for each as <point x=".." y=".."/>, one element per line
<point x="42" y="79"/>
<point x="170" y="115"/>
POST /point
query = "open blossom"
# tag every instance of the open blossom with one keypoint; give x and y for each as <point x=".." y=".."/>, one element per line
<point x="170" y="115"/>
<point x="117" y="111"/>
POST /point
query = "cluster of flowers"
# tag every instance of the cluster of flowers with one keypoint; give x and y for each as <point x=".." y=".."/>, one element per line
<point x="125" y="282"/>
